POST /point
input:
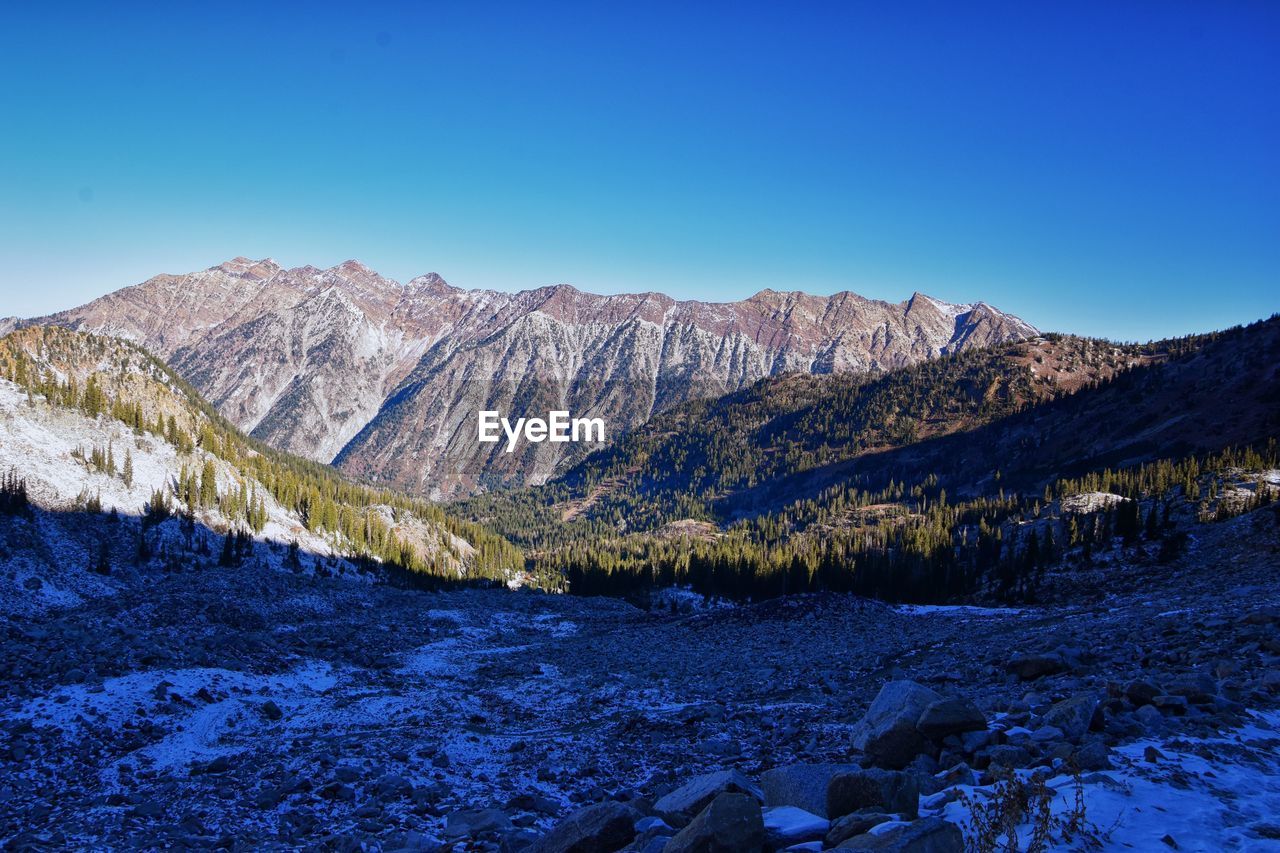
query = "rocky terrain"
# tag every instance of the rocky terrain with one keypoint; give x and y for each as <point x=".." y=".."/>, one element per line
<point x="385" y="378"/>
<point x="250" y="708"/>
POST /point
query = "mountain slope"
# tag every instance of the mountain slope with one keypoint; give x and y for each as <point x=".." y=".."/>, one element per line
<point x="386" y="379"/>
<point x="94" y="426"/>
<point x="965" y="476"/>
<point x="1011" y="417"/>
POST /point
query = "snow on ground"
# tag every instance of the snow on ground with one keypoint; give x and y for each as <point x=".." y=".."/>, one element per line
<point x="211" y="711"/>
<point x="1203" y="794"/>
<point x="38" y="442"/>
<point x="682" y="599"/>
<point x="956" y="610"/>
<point x="41" y="443"/>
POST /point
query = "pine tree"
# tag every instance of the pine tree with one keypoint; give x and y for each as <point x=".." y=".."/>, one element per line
<point x="127" y="473"/>
<point x="208" y="484"/>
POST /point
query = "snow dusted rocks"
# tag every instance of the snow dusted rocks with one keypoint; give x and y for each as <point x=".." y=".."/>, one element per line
<point x="787" y="825"/>
<point x="143" y="719"/>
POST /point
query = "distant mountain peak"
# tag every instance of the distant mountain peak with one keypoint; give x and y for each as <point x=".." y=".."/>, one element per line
<point x="344" y="365"/>
<point x="248" y="268"/>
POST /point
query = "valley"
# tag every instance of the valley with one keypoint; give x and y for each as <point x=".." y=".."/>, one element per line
<point x="221" y="706"/>
<point x="1025" y="590"/>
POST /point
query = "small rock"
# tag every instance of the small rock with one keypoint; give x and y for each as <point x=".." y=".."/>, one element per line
<point x="148" y="808"/>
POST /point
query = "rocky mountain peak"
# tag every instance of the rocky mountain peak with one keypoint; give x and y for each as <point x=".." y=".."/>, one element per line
<point x="243" y="267"/>
<point x="345" y="365"/>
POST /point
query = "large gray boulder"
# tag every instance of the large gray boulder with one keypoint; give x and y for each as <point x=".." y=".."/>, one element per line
<point x="601" y="828"/>
<point x="679" y="807"/>
<point x="1073" y="715"/>
<point x="731" y="823"/>
<point x="928" y="835"/>
<point x="801" y="785"/>
<point x="875" y="789"/>
<point x="887" y="733"/>
<point x="951" y="716"/>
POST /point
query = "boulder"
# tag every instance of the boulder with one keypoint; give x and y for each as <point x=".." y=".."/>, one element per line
<point x="1141" y="692"/>
<point x="731" y="823"/>
<point x="887" y="733"/>
<point x="1198" y="689"/>
<point x="1073" y="716"/>
<point x="467" y="822"/>
<point x="1007" y="755"/>
<point x="678" y="807"/>
<point x="787" y="825"/>
<point x="1029" y="667"/>
<point x="952" y="716"/>
<point x="801" y="785"/>
<point x="1172" y="704"/>
<point x="882" y="790"/>
<point x="1093" y="756"/>
<point x="929" y="835"/>
<point x="854" y="824"/>
<point x="601" y="827"/>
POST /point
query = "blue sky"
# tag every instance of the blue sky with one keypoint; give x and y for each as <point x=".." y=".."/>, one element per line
<point x="1105" y="168"/>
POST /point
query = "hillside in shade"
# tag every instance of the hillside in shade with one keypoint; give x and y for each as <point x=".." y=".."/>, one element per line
<point x="112" y="463"/>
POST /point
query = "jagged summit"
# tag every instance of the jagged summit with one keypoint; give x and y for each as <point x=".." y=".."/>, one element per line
<point x="343" y="364"/>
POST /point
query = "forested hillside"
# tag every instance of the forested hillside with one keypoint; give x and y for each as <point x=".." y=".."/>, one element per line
<point x="218" y="472"/>
<point x="910" y="485"/>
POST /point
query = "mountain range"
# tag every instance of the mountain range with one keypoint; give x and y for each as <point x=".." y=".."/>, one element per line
<point x="385" y="380"/>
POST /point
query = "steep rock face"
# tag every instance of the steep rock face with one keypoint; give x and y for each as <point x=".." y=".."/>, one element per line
<point x="386" y="379"/>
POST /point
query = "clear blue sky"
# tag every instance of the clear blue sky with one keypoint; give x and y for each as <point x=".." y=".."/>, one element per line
<point x="1107" y="168"/>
